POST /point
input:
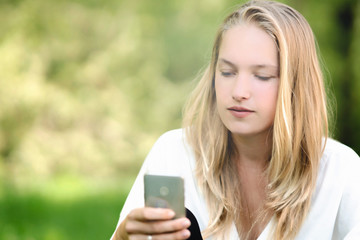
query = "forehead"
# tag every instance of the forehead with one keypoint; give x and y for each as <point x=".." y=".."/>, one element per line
<point x="248" y="44"/>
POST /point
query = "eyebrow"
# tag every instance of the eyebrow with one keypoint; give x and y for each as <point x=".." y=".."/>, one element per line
<point x="259" y="66"/>
<point x="227" y="62"/>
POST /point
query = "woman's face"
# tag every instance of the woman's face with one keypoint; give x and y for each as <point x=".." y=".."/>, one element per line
<point x="247" y="80"/>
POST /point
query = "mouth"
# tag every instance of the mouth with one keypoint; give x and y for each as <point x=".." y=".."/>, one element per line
<point x="239" y="109"/>
<point x="240" y="112"/>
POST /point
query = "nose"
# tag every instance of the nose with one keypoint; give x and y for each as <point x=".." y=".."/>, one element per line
<point x="241" y="89"/>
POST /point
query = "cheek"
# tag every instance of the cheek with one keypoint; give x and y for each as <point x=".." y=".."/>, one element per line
<point x="269" y="98"/>
<point x="272" y="100"/>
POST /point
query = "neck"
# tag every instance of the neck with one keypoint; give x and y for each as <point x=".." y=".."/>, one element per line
<point x="254" y="151"/>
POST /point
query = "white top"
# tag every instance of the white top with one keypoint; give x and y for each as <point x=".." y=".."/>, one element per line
<point x="335" y="207"/>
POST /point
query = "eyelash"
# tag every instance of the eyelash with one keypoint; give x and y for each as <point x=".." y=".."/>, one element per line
<point x="229" y="74"/>
<point x="263" y="78"/>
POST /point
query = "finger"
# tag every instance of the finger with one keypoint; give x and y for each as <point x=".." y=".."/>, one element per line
<point x="179" y="235"/>
<point x="151" y="214"/>
<point x="157" y="227"/>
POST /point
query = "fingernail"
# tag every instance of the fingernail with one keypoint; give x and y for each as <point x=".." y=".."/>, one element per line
<point x="171" y="214"/>
<point x="186" y="223"/>
<point x="186" y="233"/>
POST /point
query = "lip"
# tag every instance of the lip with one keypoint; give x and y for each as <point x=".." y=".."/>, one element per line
<point x="240" y="112"/>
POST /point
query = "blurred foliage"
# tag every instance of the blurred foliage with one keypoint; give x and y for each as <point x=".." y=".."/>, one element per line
<point x="65" y="209"/>
<point x="87" y="86"/>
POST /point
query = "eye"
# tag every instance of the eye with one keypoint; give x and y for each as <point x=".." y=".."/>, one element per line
<point x="262" y="77"/>
<point x="227" y="73"/>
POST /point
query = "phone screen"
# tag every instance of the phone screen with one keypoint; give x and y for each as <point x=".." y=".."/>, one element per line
<point x="165" y="192"/>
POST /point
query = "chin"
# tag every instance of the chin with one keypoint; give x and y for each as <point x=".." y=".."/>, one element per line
<point x="249" y="133"/>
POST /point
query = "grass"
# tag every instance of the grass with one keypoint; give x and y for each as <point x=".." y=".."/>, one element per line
<point x="54" y="213"/>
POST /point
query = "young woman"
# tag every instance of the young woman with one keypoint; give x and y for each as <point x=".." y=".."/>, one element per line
<point x="254" y="150"/>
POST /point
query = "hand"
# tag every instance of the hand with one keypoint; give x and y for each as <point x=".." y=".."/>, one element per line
<point x="156" y="222"/>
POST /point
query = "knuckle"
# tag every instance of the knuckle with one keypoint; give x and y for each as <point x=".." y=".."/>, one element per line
<point x="147" y="214"/>
<point x="129" y="227"/>
<point x="156" y="227"/>
<point x="132" y="214"/>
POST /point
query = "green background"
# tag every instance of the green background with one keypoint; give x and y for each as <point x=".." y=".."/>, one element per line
<point x="87" y="86"/>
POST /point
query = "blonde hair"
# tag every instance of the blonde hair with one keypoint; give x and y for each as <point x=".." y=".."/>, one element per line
<point x="299" y="127"/>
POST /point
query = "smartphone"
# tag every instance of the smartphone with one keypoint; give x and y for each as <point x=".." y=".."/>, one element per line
<point x="165" y="192"/>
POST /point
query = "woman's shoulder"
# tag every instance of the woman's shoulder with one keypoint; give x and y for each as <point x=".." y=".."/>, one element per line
<point x="336" y="198"/>
<point x="339" y="157"/>
<point x="173" y="139"/>
<point x="337" y="150"/>
<point x="172" y="135"/>
<point x="171" y="153"/>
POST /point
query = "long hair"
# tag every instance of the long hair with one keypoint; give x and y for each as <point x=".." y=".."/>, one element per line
<point x="300" y="125"/>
